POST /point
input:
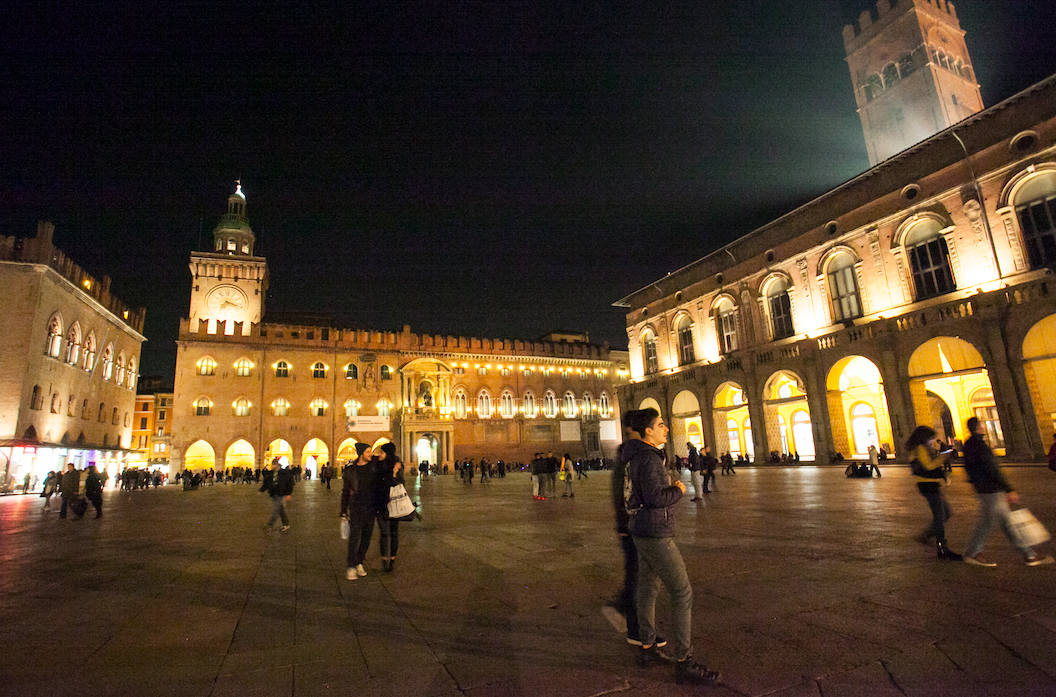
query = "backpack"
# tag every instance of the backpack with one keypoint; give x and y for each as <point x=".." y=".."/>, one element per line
<point x="629" y="506"/>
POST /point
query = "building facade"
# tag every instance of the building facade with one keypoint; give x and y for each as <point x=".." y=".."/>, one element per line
<point x="920" y="292"/>
<point x="911" y="72"/>
<point x="69" y="362"/>
<point x="247" y="391"/>
<point x="152" y="425"/>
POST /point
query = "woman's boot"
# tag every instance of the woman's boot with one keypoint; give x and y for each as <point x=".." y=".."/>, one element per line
<point x="945" y="552"/>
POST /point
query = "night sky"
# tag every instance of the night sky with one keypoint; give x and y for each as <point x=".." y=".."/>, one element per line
<point x="497" y="169"/>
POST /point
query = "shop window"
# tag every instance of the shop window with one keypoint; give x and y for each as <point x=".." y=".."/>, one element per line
<point x="985" y="409"/>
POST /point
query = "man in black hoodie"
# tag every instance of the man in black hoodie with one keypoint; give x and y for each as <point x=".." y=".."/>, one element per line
<point x="278" y="483"/>
<point x="651" y="521"/>
<point x="995" y="493"/>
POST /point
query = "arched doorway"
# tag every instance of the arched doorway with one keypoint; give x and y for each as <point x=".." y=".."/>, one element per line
<point x="240" y="454"/>
<point x="200" y="456"/>
<point x="952" y="371"/>
<point x="685" y="423"/>
<point x="649" y="402"/>
<point x="788" y="427"/>
<point x="858" y="407"/>
<point x="315" y="454"/>
<point x="1039" y="367"/>
<point x="426" y="449"/>
<point x="346" y="452"/>
<point x="733" y="426"/>
<point x="278" y="448"/>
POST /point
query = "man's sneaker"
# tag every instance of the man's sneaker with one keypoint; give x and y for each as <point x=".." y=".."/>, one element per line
<point x="979" y="561"/>
<point x="284" y="528"/>
<point x="654" y="655"/>
<point x="351" y="574"/>
<point x="688" y="671"/>
<point x="360" y="570"/>
<point x="1038" y="560"/>
<point x="632" y="639"/>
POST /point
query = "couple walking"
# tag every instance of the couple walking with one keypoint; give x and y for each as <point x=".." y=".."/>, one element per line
<point x="364" y="500"/>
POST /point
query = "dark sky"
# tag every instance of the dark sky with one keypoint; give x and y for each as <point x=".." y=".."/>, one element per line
<point x="489" y="168"/>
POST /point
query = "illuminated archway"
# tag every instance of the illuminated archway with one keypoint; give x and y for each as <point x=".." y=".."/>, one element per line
<point x="278" y="448"/>
<point x="1039" y="367"/>
<point x="952" y="370"/>
<point x="346" y="452"/>
<point x="858" y="408"/>
<point x="426" y="449"/>
<point x="315" y="454"/>
<point x="730" y="414"/>
<point x="199" y="456"/>
<point x="240" y="454"/>
<point x="788" y="427"/>
<point x="685" y="423"/>
<point x="650" y="402"/>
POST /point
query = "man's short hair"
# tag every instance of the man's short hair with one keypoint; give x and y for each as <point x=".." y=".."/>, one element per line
<point x="642" y="419"/>
<point x="628" y="416"/>
<point x="972" y="423"/>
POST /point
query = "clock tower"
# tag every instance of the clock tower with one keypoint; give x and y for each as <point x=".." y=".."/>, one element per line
<point x="229" y="282"/>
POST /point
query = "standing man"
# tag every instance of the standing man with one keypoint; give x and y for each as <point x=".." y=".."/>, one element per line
<point x="651" y="512"/>
<point x="93" y="489"/>
<point x="709" y="463"/>
<point x="695" y="475"/>
<point x="552" y="465"/>
<point x="995" y="493"/>
<point x="278" y="483"/>
<point x="70" y="486"/>
<point x="874" y="461"/>
<point x="537" y="478"/>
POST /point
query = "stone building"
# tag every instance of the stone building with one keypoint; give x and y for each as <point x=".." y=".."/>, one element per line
<point x="247" y="391"/>
<point x="912" y="74"/>
<point x="920" y="292"/>
<point x="69" y="362"/>
<point x="152" y="424"/>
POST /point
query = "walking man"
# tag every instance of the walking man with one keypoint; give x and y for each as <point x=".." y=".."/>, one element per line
<point x="279" y="486"/>
<point x="69" y="486"/>
<point x="93" y="489"/>
<point x="695" y="474"/>
<point x="995" y="493"/>
<point x="651" y="511"/>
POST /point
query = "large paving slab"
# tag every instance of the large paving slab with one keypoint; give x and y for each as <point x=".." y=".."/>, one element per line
<point x="806" y="584"/>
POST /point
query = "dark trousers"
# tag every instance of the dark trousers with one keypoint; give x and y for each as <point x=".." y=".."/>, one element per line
<point x="626" y="602"/>
<point x="940" y="513"/>
<point x="361" y="528"/>
<point x="389" y="537"/>
<point x="97" y="503"/>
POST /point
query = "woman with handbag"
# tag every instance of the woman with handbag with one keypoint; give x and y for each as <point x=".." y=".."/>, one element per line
<point x="928" y="469"/>
<point x="391" y="471"/>
<point x="363" y="495"/>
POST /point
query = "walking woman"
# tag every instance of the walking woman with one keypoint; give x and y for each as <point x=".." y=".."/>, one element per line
<point x="391" y="473"/>
<point x="568" y="467"/>
<point x="51" y="483"/>
<point x="927" y="468"/>
<point x="359" y="504"/>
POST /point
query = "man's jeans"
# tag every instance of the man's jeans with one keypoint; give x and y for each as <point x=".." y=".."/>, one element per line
<point x="659" y="561"/>
<point x="535" y="485"/>
<point x="278" y="510"/>
<point x="697" y="477"/>
<point x="994" y="510"/>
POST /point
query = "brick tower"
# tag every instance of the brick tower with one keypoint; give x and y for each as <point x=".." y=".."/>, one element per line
<point x="911" y="72"/>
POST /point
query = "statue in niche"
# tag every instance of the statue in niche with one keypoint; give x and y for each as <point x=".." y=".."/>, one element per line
<point x="368" y="371"/>
<point x="427" y="398"/>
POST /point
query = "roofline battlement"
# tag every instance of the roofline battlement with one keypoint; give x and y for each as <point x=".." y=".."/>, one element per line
<point x="857" y="34"/>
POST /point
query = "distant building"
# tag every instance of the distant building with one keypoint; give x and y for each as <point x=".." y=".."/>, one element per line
<point x="920" y="292"/>
<point x="69" y="362"/>
<point x="152" y="424"/>
<point x="912" y="74"/>
<point x="248" y="390"/>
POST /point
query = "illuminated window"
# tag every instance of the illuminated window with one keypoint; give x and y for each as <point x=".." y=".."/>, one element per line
<point x="803" y="434"/>
<point x="929" y="259"/>
<point x="588" y="405"/>
<point x="131" y="381"/>
<point x="649" y="351"/>
<point x="505" y="371"/>
<point x="318" y="370"/>
<point x="527" y="372"/>
<point x="89" y="353"/>
<point x="484" y="405"/>
<point x="245" y="248"/>
<point x="549" y="405"/>
<point x="604" y="408"/>
<point x="780" y="306"/>
<point x="569" y="406"/>
<point x="54" y="345"/>
<point x="458" y="370"/>
<point x="734" y="435"/>
<point x="386" y="372"/>
<point x="201" y="407"/>
<point x="73" y="341"/>
<point x="843" y="288"/>
<point x="749" y="444"/>
<point x="460" y="403"/>
<point x="108" y="362"/>
<point x="686" y="352"/>
<point x="352" y="408"/>
<point x="206" y="366"/>
<point x="507" y="410"/>
<point x="280" y="407"/>
<point x="241" y="407"/>
<point x="231" y="245"/>
<point x="985" y="409"/>
<point x="864" y="428"/>
<point x="120" y="369"/>
<point x="351" y="371"/>
<point x="243" y="367"/>
<point x="528" y="405"/>
<point x="1036" y="209"/>
<point x="282" y="369"/>
<point x="482" y="370"/>
<point x="318" y="407"/>
<point x="220" y="245"/>
<point x="384" y="407"/>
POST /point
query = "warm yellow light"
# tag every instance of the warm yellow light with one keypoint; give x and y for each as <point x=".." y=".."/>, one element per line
<point x="87" y="284"/>
<point x="488" y="366"/>
<point x="125" y="313"/>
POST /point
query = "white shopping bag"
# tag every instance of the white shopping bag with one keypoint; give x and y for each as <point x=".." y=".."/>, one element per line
<point x="344" y="529"/>
<point x="400" y="504"/>
<point x="1028" y="529"/>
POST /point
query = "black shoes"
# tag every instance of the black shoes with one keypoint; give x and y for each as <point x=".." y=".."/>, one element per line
<point x="688" y="671"/>
<point x="654" y="655"/>
<point x="633" y="640"/>
<point x="946" y="554"/>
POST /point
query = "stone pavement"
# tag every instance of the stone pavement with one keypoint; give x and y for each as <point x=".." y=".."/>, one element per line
<point x="806" y="584"/>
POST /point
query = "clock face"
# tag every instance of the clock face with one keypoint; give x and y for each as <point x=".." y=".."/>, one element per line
<point x="227" y="302"/>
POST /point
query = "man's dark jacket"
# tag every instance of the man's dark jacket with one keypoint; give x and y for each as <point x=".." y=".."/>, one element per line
<point x="652" y="495"/>
<point x="982" y="469"/>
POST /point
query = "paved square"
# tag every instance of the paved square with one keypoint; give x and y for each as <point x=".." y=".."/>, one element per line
<point x="806" y="583"/>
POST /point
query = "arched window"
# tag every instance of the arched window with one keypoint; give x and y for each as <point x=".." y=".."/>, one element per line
<point x="54" y="345"/>
<point x="131" y="374"/>
<point x="219" y="244"/>
<point x="507" y="410"/>
<point x="113" y="419"/>
<point x="386" y="372"/>
<point x="929" y="259"/>
<point x="282" y="369"/>
<point x="56" y="403"/>
<point x="120" y="369"/>
<point x="73" y="344"/>
<point x="243" y="367"/>
<point x="108" y="362"/>
<point x="280" y="407"/>
<point x="686" y="353"/>
<point x="101" y="413"/>
<point x="460" y="403"/>
<point x="890" y="75"/>
<point x="734" y="435"/>
<point x="873" y="87"/>
<point x="549" y="405"/>
<point x="89" y="353"/>
<point x="352" y="371"/>
<point x="318" y="370"/>
<point x="241" y="406"/>
<point x="604" y="408"/>
<point x="318" y="407"/>
<point x="569" y="405"/>
<point x="128" y="419"/>
<point x="649" y="351"/>
<point x="484" y="405"/>
<point x="84" y="409"/>
<point x="352" y="408"/>
<point x="528" y="405"/>
<point x="588" y="405"/>
<point x="906" y="65"/>
<point x="843" y="288"/>
<point x="1035" y="204"/>
<point x="780" y="306"/>
<point x="206" y="366"/>
<point x="202" y="406"/>
<point x="384" y="407"/>
<point x="726" y="323"/>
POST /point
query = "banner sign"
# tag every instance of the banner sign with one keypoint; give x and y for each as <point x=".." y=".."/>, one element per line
<point x="367" y="423"/>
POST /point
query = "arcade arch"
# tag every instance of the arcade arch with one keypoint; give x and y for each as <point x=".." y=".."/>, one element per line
<point x="788" y="427"/>
<point x="278" y="448"/>
<point x="948" y="374"/>
<point x="1039" y="367"/>
<point x="649" y="402"/>
<point x="240" y="454"/>
<point x="315" y="454"/>
<point x="199" y="456"/>
<point x="346" y="452"/>
<point x="686" y="426"/>
<point x="733" y="425"/>
<point x="858" y="408"/>
<point x="427" y="449"/>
